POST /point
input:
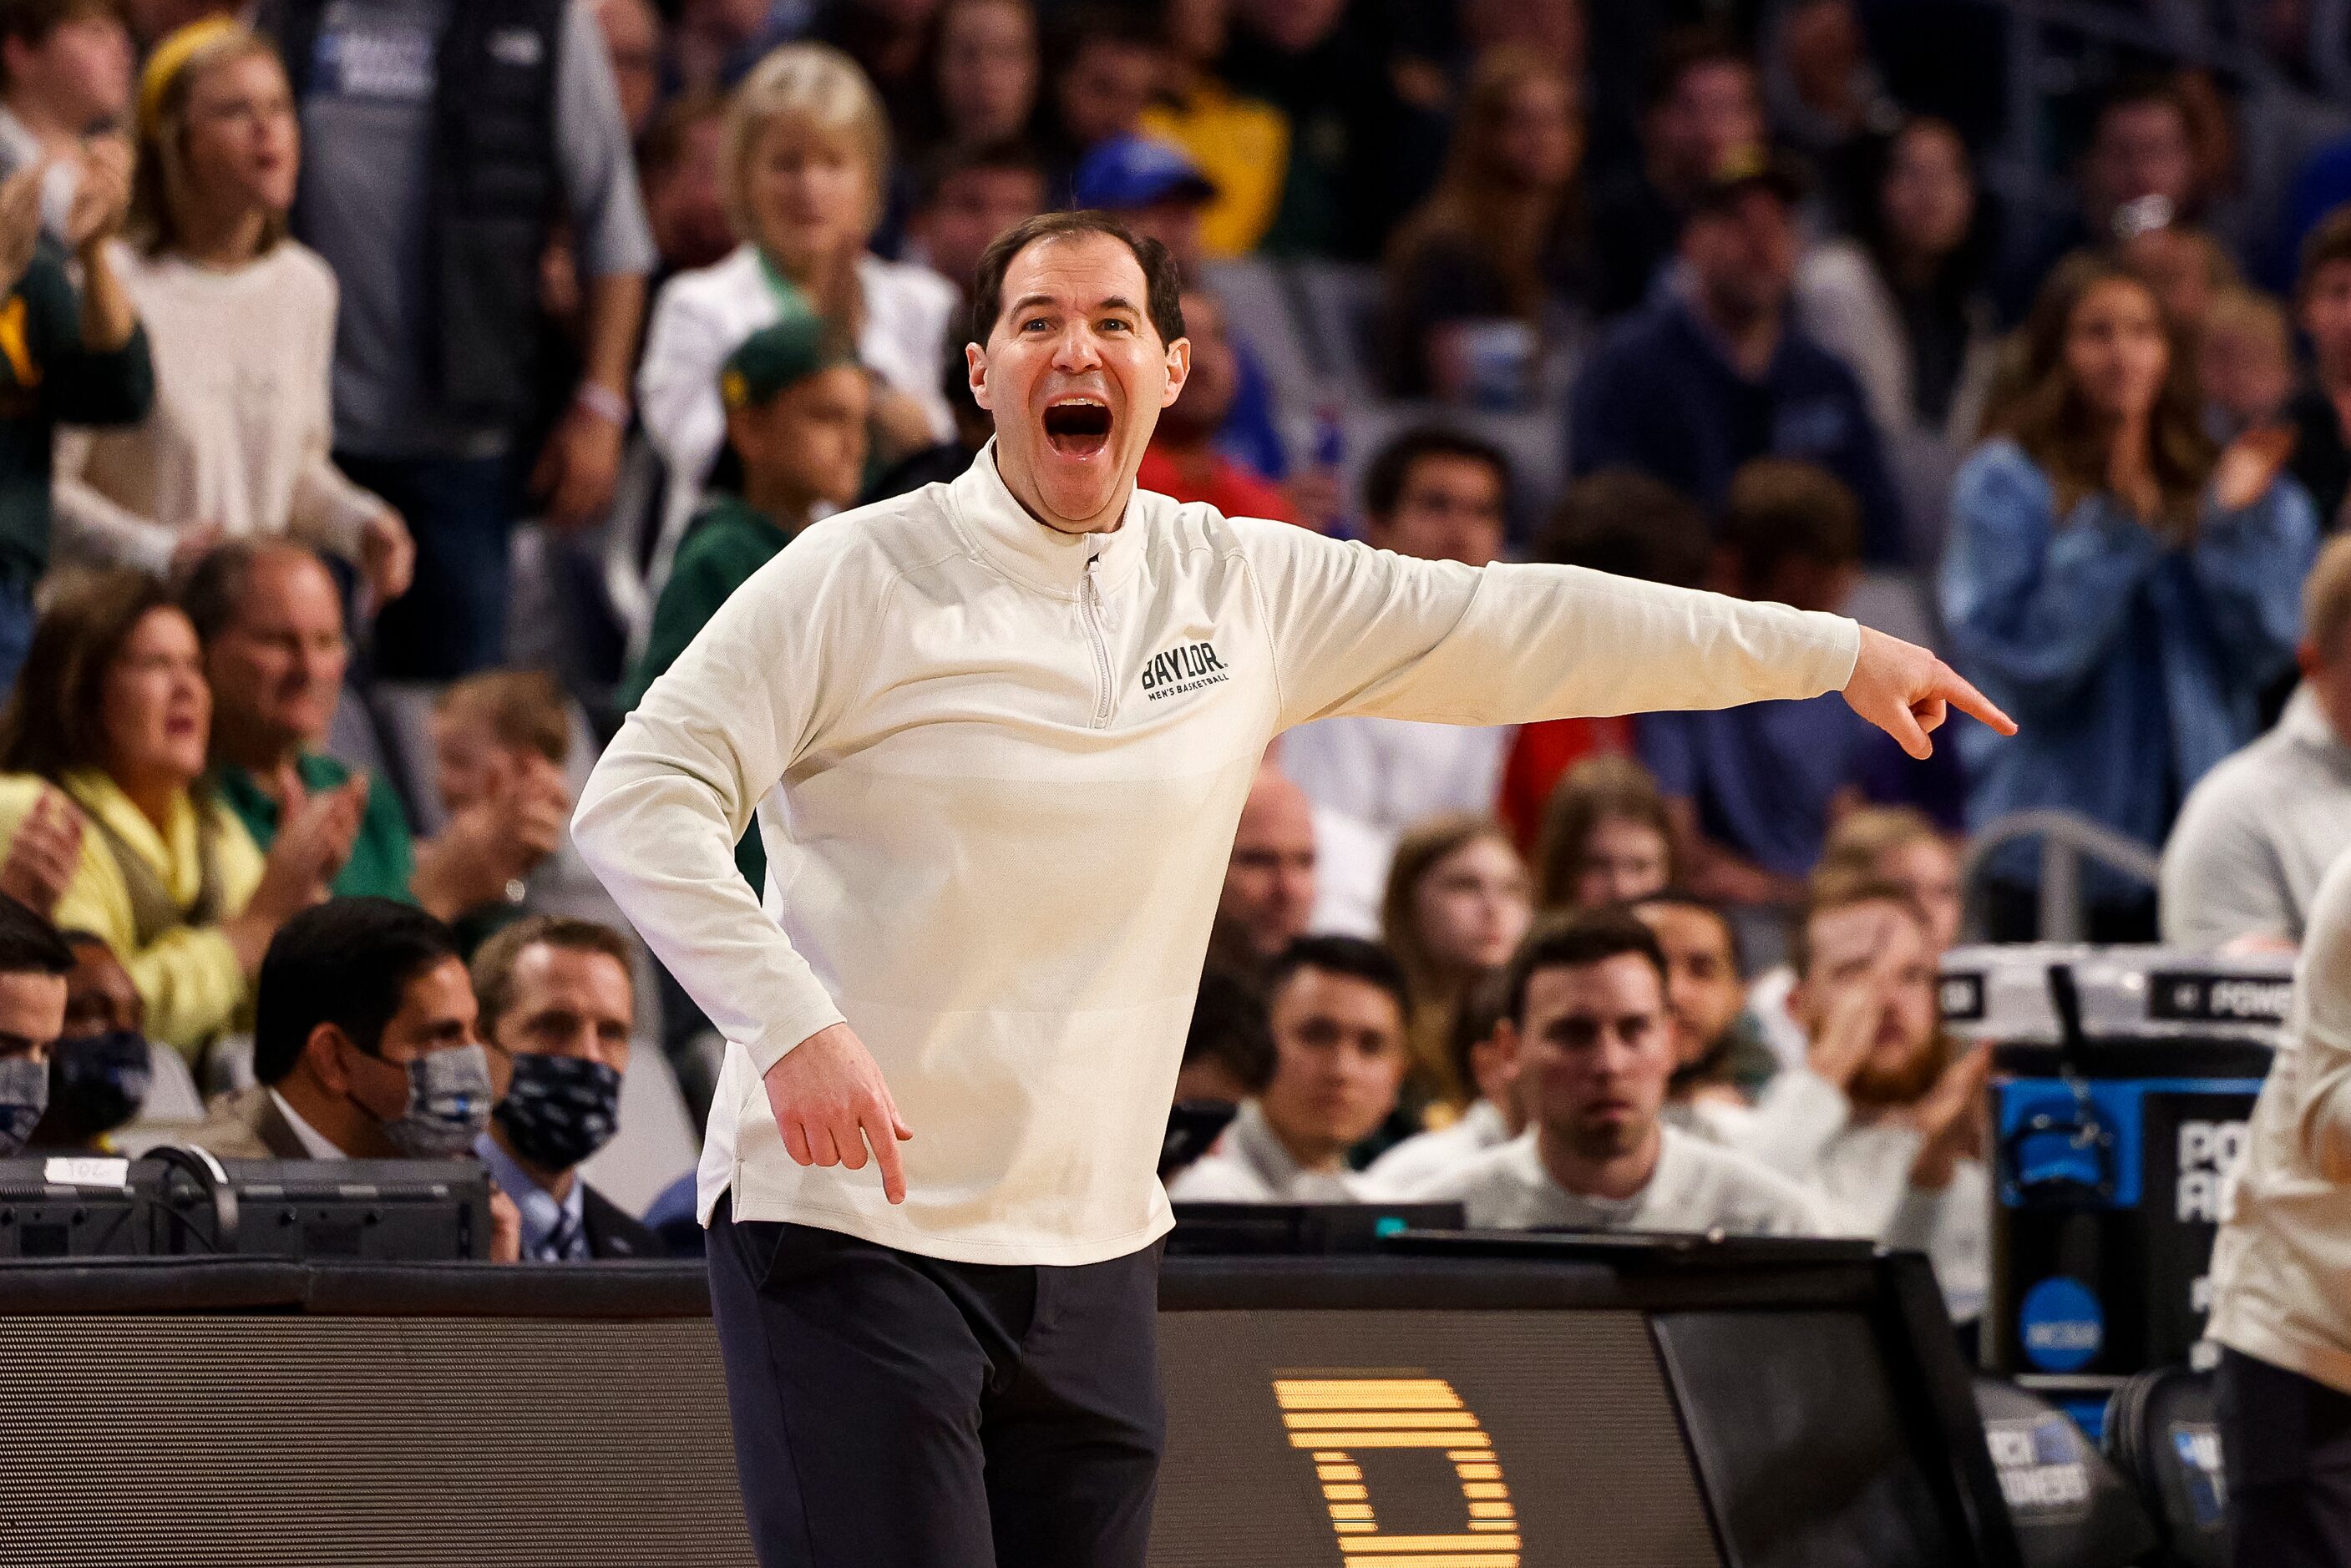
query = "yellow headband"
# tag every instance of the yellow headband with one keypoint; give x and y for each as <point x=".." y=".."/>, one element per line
<point x="169" y="58"/>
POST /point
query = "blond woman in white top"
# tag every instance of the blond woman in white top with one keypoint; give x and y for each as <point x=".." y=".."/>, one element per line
<point x="241" y="321"/>
<point x="804" y="158"/>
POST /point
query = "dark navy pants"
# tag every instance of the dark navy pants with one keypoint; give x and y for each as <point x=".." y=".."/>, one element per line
<point x="897" y="1411"/>
<point x="462" y="513"/>
<point x="2285" y="1441"/>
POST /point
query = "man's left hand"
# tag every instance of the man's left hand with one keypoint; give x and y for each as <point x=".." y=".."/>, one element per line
<point x="579" y="470"/>
<point x="1907" y="692"/>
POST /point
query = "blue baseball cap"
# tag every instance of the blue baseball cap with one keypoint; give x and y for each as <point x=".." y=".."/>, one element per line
<point x="1128" y="171"/>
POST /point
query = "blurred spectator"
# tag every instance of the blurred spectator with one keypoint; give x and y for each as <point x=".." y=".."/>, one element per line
<point x="2139" y="174"/>
<point x="112" y="711"/>
<point x="1241" y="144"/>
<point x="2120" y="587"/>
<point x="796" y="406"/>
<point x="1338" y="1006"/>
<point x="1439" y="496"/>
<point x="241" y="323"/>
<point x="631" y="30"/>
<point x="1183" y="459"/>
<point x="2321" y="410"/>
<point x="1160" y="193"/>
<point x="152" y="21"/>
<point x="2256" y="835"/>
<point x="557" y="1003"/>
<point x="1106" y="66"/>
<point x="988" y="73"/>
<point x="65" y="78"/>
<point x="1228" y="1050"/>
<point x="436" y="170"/>
<point x="1884" y="1116"/>
<point x="713" y="44"/>
<point x="1596" y="1050"/>
<point x="806" y="156"/>
<point x="942" y="460"/>
<point x="2186" y="267"/>
<point x="1485" y="1059"/>
<point x="101" y="1066"/>
<point x="1606" y="837"/>
<point x="971" y="191"/>
<point x="1752" y="789"/>
<point x="270" y="619"/>
<point x="1825" y="98"/>
<point x="364" y="1042"/>
<point x="34" y="961"/>
<point x="1487" y="275"/>
<point x="1715" y="374"/>
<point x="1900" y="844"/>
<point x="1457" y="904"/>
<point x="1720" y="1056"/>
<point x="686" y="197"/>
<point x="500" y="743"/>
<point x="1622" y="521"/>
<point x="1269" y="885"/>
<point x="1905" y="305"/>
<point x="2244" y="363"/>
<point x="891" y="42"/>
<point x="1703" y="105"/>
<point x="1361" y="154"/>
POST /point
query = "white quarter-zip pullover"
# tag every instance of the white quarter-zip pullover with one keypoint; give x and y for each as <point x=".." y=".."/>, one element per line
<point x="998" y="769"/>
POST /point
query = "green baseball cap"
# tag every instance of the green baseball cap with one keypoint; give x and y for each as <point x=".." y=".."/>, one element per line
<point x="778" y="356"/>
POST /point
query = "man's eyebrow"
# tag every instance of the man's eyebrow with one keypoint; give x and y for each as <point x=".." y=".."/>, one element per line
<point x="1115" y="302"/>
<point x="1029" y="300"/>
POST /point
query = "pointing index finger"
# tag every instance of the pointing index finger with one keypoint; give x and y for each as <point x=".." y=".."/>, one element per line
<point x="1955" y="689"/>
<point x="879" y="1124"/>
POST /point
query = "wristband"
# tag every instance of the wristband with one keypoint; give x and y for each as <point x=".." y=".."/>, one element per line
<point x="603" y="403"/>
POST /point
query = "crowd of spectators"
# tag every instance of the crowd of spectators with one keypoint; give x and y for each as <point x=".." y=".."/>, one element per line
<point x="394" y="388"/>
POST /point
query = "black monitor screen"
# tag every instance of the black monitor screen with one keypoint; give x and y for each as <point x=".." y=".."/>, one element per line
<point x="1806" y="1452"/>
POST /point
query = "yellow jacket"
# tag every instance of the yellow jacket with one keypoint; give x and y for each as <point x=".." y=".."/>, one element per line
<point x="1242" y="145"/>
<point x="188" y="975"/>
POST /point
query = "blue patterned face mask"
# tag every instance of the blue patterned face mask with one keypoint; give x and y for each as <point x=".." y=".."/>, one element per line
<point x="24" y="1095"/>
<point x="559" y="1109"/>
<point x="448" y="1104"/>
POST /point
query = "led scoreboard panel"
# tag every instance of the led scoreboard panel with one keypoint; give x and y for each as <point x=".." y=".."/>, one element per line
<point x="1624" y="1415"/>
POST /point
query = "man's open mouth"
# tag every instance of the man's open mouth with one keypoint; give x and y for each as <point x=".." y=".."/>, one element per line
<point x="1078" y="427"/>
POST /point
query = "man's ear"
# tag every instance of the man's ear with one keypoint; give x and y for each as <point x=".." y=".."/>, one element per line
<point x="1179" y="370"/>
<point x="322" y="1053"/>
<point x="974" y="365"/>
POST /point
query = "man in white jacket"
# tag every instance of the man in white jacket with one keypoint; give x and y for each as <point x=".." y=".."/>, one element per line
<point x="2281" y="1275"/>
<point x="997" y="733"/>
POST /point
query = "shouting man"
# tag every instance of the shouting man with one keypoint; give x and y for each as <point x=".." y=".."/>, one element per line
<point x="996" y="850"/>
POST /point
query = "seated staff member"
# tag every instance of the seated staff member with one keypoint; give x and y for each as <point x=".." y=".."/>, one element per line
<point x="1339" y="1006"/>
<point x="112" y="711"/>
<point x="2281" y="1275"/>
<point x="1597" y="1049"/>
<point x="34" y="961"/>
<point x="1009" y="771"/>
<point x="558" y="1001"/>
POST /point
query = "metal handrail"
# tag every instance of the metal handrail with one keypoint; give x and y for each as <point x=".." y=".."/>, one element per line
<point x="2067" y="838"/>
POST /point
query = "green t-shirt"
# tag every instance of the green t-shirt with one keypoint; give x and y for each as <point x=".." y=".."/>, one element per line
<point x="384" y="856"/>
<point x="726" y="542"/>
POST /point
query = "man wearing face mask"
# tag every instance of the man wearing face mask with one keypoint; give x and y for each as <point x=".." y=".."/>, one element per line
<point x="33" y="963"/>
<point x="101" y="1070"/>
<point x="557" y="1002"/>
<point x="363" y="1041"/>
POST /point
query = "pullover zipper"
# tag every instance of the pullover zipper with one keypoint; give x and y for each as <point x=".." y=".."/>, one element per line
<point x="1090" y="601"/>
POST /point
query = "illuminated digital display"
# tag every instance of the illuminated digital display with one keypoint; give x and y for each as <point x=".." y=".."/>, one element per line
<point x="1336" y="1419"/>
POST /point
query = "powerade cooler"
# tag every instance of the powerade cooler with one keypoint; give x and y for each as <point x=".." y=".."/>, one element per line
<point x="2122" y="1082"/>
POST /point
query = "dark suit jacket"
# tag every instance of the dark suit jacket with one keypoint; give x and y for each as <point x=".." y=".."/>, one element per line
<point x="611" y="1233"/>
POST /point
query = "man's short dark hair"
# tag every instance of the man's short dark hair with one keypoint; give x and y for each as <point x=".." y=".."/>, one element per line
<point x="1229" y="1027"/>
<point x="1391" y="466"/>
<point x="1163" y="281"/>
<point x="31" y="21"/>
<point x="1349" y="956"/>
<point x="1577" y="940"/>
<point x="214" y="593"/>
<point x="1683" y="898"/>
<point x="29" y="944"/>
<point x="1008" y="155"/>
<point x="1634" y="524"/>
<point x="1687" y="50"/>
<point x="2137" y="88"/>
<point x="1483" y="1005"/>
<point x="1782" y="509"/>
<point x="2329" y="241"/>
<point x="494" y="964"/>
<point x="348" y="962"/>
